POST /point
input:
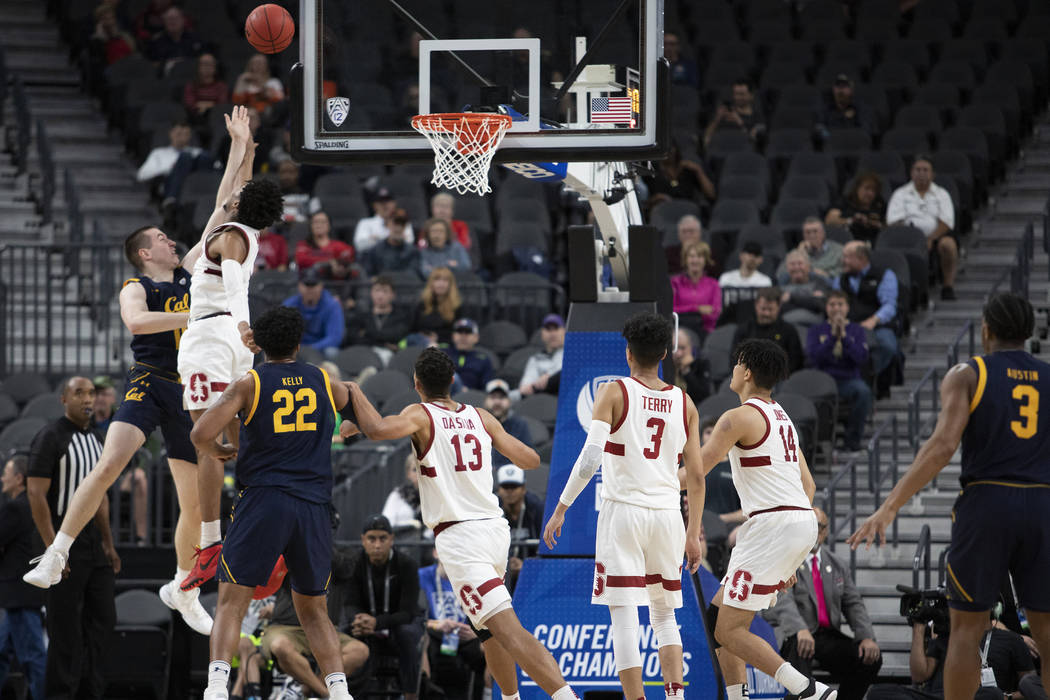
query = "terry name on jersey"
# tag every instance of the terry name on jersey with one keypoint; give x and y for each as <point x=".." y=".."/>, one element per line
<point x="656" y="405"/>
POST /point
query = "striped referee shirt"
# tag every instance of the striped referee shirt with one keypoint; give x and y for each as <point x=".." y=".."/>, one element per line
<point x="65" y="454"/>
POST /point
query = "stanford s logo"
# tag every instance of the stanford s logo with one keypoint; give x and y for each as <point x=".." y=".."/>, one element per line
<point x="199" y="387"/>
<point x="740" y="586"/>
<point x="599" y="578"/>
<point x="470" y="599"/>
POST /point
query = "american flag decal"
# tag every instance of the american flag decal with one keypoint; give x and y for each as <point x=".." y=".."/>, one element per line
<point x="610" y="110"/>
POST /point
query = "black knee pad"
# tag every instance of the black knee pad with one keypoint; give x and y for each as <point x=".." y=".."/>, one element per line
<point x="483" y="635"/>
<point x="711" y="619"/>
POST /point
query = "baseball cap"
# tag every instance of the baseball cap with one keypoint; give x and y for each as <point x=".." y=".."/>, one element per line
<point x="377" y="522"/>
<point x="843" y="79"/>
<point x="553" y="320"/>
<point x="509" y="475"/>
<point x="309" y="277"/>
<point x="102" y="382"/>
<point x="382" y="194"/>
<point x="497" y="385"/>
<point x="752" y="247"/>
<point x="465" y="325"/>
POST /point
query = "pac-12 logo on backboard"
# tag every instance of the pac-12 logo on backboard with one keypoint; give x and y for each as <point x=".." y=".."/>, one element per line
<point x="338" y="109"/>
<point x="585" y="401"/>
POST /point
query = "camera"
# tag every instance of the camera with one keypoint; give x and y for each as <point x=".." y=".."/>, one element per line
<point x="925" y="606"/>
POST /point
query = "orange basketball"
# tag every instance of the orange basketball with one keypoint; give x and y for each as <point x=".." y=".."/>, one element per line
<point x="269" y="28"/>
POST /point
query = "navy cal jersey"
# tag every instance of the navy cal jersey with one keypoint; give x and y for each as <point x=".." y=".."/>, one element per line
<point x="286" y="435"/>
<point x="160" y="350"/>
<point x="1007" y="438"/>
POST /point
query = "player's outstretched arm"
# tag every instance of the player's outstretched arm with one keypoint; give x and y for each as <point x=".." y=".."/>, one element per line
<point x="206" y="431"/>
<point x="957" y="390"/>
<point x="231" y="248"/>
<point x="808" y="485"/>
<point x="377" y="427"/>
<point x="695" y="488"/>
<point x="507" y="445"/>
<point x="238" y="126"/>
<point x="137" y="317"/>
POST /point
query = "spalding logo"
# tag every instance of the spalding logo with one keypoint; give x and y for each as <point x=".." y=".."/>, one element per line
<point x="585" y="401"/>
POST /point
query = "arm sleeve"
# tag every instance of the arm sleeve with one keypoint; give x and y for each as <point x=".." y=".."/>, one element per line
<point x="236" y="287"/>
<point x="587" y="463"/>
<point x="887" y="293"/>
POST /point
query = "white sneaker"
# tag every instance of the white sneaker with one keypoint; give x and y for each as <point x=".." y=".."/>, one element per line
<point x="818" y="691"/>
<point x="48" y="569"/>
<point x="188" y="604"/>
<point x="292" y="690"/>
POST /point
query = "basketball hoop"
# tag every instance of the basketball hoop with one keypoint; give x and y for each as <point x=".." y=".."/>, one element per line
<point x="463" y="144"/>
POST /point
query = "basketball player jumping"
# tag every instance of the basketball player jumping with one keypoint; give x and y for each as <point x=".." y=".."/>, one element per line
<point x="999" y="522"/>
<point x="454" y="444"/>
<point x="289" y="410"/>
<point x="776" y="491"/>
<point x="217" y="347"/>
<point x="640" y="428"/>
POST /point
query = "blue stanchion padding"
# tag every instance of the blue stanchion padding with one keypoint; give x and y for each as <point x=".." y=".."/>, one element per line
<point x="553" y="601"/>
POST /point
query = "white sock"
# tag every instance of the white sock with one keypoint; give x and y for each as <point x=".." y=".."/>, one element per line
<point x="62" y="543"/>
<point x="211" y="532"/>
<point x="336" y="683"/>
<point x="486" y="694"/>
<point x="515" y="696"/>
<point x="789" y="677"/>
<point x="674" y="691"/>
<point x="181" y="574"/>
<point x="737" y="692"/>
<point x="564" y="693"/>
<point x="218" y="675"/>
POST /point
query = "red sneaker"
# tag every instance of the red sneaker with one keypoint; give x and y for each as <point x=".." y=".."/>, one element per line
<point x="280" y="570"/>
<point x="204" y="568"/>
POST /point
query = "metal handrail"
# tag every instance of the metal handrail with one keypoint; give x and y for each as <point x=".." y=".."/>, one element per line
<point x="917" y="429"/>
<point x="921" y="559"/>
<point x="876" y="476"/>
<point x="953" y="348"/>
<point x="850" y="518"/>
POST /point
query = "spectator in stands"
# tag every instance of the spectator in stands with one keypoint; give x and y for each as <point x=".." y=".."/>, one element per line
<point x="295" y="199"/>
<point x="392" y="253"/>
<point x="524" y="511"/>
<point x="689" y="231"/>
<point x="802" y="294"/>
<point x="175" y="42"/>
<point x="151" y="20"/>
<point x="273" y="251"/>
<point x="161" y="160"/>
<point x="741" y="112"/>
<point x="697" y="297"/>
<point x="497" y="402"/>
<point x="807" y="619"/>
<point x="322" y="312"/>
<point x="381" y="601"/>
<point x="683" y="69"/>
<point x="104" y="408"/>
<point x="840" y="348"/>
<point x="206" y="89"/>
<point x="747" y="275"/>
<point x="256" y="87"/>
<point x="438" y="307"/>
<point x="862" y="211"/>
<point x="473" y="366"/>
<point x="841" y="110"/>
<point x="384" y="324"/>
<point x="872" y="295"/>
<point x="110" y="40"/>
<point x="768" y="325"/>
<point x="679" y="178"/>
<point x="547" y="363"/>
<point x="926" y="206"/>
<point x="21" y="629"/>
<point x="402" y="504"/>
<point x="825" y="256"/>
<point x="441" y="249"/>
<point x="442" y="206"/>
<point x="319" y="250"/>
<point x="692" y="370"/>
<point x="373" y="229"/>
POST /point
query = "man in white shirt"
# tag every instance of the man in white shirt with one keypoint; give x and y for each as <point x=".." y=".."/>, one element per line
<point x="929" y="208"/>
<point x="162" y="159"/>
<point x="747" y="275"/>
<point x="374" y="229"/>
<point x="542" y="365"/>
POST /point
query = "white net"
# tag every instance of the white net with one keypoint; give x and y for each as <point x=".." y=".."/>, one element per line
<point x="463" y="147"/>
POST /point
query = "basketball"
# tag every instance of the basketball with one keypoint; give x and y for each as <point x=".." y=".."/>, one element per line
<point x="269" y="28"/>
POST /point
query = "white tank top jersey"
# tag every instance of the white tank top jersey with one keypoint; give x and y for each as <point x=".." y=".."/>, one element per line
<point x="455" y="469"/>
<point x="767" y="474"/>
<point x="640" y="464"/>
<point x="207" y="295"/>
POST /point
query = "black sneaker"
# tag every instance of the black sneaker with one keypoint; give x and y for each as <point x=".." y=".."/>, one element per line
<point x="948" y="294"/>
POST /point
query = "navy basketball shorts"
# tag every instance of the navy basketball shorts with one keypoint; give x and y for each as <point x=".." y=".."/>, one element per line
<point x="999" y="528"/>
<point x="150" y="401"/>
<point x="266" y="523"/>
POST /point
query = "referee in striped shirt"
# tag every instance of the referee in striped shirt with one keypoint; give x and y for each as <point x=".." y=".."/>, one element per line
<point x="80" y="610"/>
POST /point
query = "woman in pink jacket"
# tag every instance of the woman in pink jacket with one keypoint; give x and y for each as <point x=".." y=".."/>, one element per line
<point x="697" y="297"/>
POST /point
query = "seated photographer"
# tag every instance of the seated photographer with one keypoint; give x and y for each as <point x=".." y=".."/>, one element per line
<point x="808" y="619"/>
<point x="1005" y="659"/>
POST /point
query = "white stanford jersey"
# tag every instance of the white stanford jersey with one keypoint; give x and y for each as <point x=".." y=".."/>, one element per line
<point x="455" y="469"/>
<point x="207" y="295"/>
<point x="640" y="464"/>
<point x="767" y="474"/>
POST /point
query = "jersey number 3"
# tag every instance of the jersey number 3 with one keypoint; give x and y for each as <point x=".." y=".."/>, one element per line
<point x="1029" y="410"/>
<point x="653" y="451"/>
<point x="304" y="403"/>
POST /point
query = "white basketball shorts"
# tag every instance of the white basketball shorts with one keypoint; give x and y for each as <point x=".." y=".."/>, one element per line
<point x="211" y="357"/>
<point x="769" y="548"/>
<point x="474" y="554"/>
<point x="638" y="556"/>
